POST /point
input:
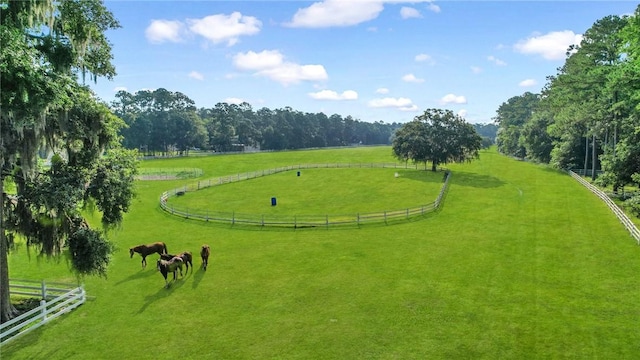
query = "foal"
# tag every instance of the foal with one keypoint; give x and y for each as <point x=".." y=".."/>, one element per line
<point x="204" y="253"/>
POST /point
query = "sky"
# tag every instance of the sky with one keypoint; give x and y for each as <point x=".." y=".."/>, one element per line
<point x="375" y="60"/>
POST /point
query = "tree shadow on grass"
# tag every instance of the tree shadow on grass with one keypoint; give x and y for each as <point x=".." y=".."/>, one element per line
<point x="163" y="292"/>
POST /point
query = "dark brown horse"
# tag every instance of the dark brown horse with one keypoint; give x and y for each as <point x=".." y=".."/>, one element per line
<point x="167" y="266"/>
<point x="204" y="254"/>
<point x="186" y="257"/>
<point x="146" y="250"/>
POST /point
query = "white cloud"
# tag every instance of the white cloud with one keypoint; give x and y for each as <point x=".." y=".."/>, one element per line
<point x="160" y="31"/>
<point x="453" y="99"/>
<point x="462" y="113"/>
<point x="332" y="95"/>
<point x="336" y="13"/>
<point x="290" y="73"/>
<point x="271" y="64"/>
<point x="251" y="60"/>
<point x="409" y="12"/>
<point x="328" y="13"/>
<point x="225" y="28"/>
<point x="551" y="46"/>
<point x="528" y="83"/>
<point x="423" y="58"/>
<point x="496" y="61"/>
<point x="476" y="69"/>
<point x="403" y="104"/>
<point x="382" y="91"/>
<point x="196" y="75"/>
<point x="433" y="7"/>
<point x="234" y="100"/>
<point x="412" y="78"/>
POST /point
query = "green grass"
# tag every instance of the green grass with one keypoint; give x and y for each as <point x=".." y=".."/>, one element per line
<point x="521" y="263"/>
<point x="319" y="192"/>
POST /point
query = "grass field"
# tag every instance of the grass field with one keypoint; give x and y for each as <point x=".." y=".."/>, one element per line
<point x="319" y="192"/>
<point x="521" y="262"/>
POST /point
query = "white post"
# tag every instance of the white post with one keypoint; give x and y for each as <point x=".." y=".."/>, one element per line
<point x="43" y="307"/>
<point x="44" y="290"/>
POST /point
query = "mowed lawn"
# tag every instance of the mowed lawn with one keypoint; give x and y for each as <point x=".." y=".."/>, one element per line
<point x="318" y="192"/>
<point x="521" y="262"/>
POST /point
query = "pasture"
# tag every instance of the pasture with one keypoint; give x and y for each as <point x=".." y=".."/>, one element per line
<point x="521" y="262"/>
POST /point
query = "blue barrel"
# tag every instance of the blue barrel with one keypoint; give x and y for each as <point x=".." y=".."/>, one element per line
<point x="273" y="201"/>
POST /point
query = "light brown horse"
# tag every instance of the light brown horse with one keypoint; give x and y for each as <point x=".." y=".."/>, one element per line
<point x="145" y="250"/>
<point x="204" y="254"/>
<point x="167" y="266"/>
<point x="186" y="257"/>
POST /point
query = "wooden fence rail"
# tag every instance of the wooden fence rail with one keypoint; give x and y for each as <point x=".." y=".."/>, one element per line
<point x="296" y="221"/>
<point x="55" y="301"/>
<point x="624" y="219"/>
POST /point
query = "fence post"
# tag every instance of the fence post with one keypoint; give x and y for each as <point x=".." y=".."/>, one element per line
<point x="407" y="213"/>
<point x="43" y="306"/>
<point x="233" y="218"/>
<point x="358" y="219"/>
<point x="327" y="220"/>
<point x="44" y="289"/>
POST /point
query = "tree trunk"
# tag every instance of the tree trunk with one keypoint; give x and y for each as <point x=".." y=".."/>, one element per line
<point x="434" y="166"/>
<point x="7" y="310"/>
<point x="586" y="154"/>
<point x="593" y="159"/>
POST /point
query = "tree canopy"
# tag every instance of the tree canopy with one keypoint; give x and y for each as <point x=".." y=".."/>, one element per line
<point x="587" y="116"/>
<point x="162" y="121"/>
<point x="437" y="136"/>
<point x="48" y="50"/>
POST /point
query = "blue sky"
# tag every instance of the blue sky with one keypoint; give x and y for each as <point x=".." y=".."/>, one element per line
<point x="375" y="60"/>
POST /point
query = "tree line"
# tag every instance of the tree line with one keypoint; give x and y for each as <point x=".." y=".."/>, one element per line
<point x="587" y="116"/>
<point x="165" y="122"/>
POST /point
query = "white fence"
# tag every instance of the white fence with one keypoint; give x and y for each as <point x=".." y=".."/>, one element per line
<point x="56" y="299"/>
<point x="624" y="219"/>
<point x="297" y="221"/>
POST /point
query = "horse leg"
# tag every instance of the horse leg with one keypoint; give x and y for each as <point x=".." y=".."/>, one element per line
<point x="164" y="274"/>
<point x="144" y="262"/>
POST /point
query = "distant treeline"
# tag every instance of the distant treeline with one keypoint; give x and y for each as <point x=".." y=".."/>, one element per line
<point x="165" y="122"/>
